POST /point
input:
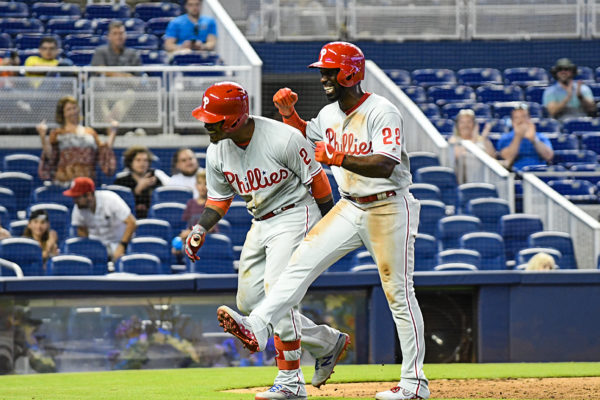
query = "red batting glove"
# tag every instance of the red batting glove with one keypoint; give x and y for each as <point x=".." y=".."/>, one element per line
<point x="326" y="154"/>
<point x="285" y="100"/>
<point x="194" y="241"/>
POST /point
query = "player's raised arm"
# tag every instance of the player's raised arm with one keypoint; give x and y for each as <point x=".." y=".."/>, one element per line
<point x="284" y="100"/>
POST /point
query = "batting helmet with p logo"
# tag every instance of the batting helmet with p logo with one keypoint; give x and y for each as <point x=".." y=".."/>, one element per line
<point x="345" y="56"/>
<point x="224" y="101"/>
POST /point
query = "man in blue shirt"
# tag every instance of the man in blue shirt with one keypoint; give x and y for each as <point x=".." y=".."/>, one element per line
<point x="566" y="99"/>
<point x="191" y="31"/>
<point x="523" y="145"/>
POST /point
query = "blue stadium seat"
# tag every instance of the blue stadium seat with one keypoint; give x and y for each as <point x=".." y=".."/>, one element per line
<point x="433" y="76"/>
<point x="362" y="258"/>
<point x="27" y="163"/>
<point x="18" y="227"/>
<point x="575" y="190"/>
<point x="595" y="87"/>
<point x="561" y="141"/>
<point x="196" y="58"/>
<point x="9" y="201"/>
<point x="177" y="194"/>
<point x="451" y="228"/>
<point x="59" y="216"/>
<point x="585" y="74"/>
<point x="153" y="245"/>
<point x="142" y="41"/>
<point x="489" y="211"/>
<point x="592" y="167"/>
<point x="515" y="230"/>
<point x="4" y="217"/>
<point x="560" y="241"/>
<point x="140" y="263"/>
<point x="364" y="268"/>
<point x="346" y="263"/>
<point x="70" y="264"/>
<point x="459" y="256"/>
<point x="132" y="26"/>
<point x="479" y="76"/>
<point x="497" y="126"/>
<point x="535" y="93"/>
<point x="544" y="168"/>
<point x="152" y="10"/>
<point x="470" y="191"/>
<point x="150" y="57"/>
<point x="443" y="94"/>
<point x="425" y="191"/>
<point x="90" y="248"/>
<point x="569" y="157"/>
<point x="547" y="125"/>
<point x="586" y="124"/>
<point x="83" y="42"/>
<point x="494" y="93"/>
<point x="415" y="93"/>
<point x="524" y="255"/>
<point x="51" y="194"/>
<point x="5" y="41"/>
<point x="591" y="141"/>
<point x="490" y="247"/>
<point x="21" y="184"/>
<point x="112" y="11"/>
<point x="67" y="26"/>
<point x="503" y="109"/>
<point x="450" y="267"/>
<point x="426" y="249"/>
<point x="443" y="125"/>
<point x="420" y="159"/>
<point x="216" y="256"/>
<point x="8" y="268"/>
<point x="430" y="110"/>
<point x="400" y="77"/>
<point x="46" y="11"/>
<point x="81" y="58"/>
<point x="171" y="212"/>
<point x="158" y="26"/>
<point x="26" y="252"/>
<point x="525" y="76"/>
<point x="152" y="227"/>
<point x="13" y="9"/>
<point x="481" y="110"/>
<point x="125" y="193"/>
<point x="442" y="177"/>
<point x="14" y="26"/>
<point x="431" y="212"/>
<point x="240" y="220"/>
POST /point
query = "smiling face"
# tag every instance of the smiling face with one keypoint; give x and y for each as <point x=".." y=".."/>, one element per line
<point x="465" y="125"/>
<point x="38" y="226"/>
<point x="215" y="131"/>
<point x="333" y="90"/>
<point x="564" y="74"/>
<point x="187" y="163"/>
<point x="71" y="113"/>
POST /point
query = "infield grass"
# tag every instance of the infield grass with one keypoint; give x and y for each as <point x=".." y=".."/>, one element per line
<point x="207" y="383"/>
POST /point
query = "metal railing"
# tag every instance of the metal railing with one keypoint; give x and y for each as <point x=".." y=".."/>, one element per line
<point x="559" y="214"/>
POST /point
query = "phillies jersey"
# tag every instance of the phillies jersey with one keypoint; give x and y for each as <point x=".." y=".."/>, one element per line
<point x="272" y="172"/>
<point x="373" y="126"/>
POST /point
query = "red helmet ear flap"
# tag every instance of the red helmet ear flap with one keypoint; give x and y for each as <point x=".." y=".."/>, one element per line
<point x="224" y="101"/>
<point x="345" y="56"/>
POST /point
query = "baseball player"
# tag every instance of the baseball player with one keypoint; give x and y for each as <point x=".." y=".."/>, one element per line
<point x="360" y="135"/>
<point x="270" y="165"/>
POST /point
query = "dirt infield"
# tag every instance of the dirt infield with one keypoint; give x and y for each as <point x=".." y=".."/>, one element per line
<point x="529" y="389"/>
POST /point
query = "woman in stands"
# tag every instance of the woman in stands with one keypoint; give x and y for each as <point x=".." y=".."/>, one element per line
<point x="466" y="128"/>
<point x="39" y="230"/>
<point x="140" y="178"/>
<point x="73" y="150"/>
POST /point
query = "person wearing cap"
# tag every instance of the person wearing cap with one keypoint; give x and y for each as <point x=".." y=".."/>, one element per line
<point x="568" y="99"/>
<point x="523" y="145"/>
<point x="102" y="215"/>
<point x="38" y="229"/>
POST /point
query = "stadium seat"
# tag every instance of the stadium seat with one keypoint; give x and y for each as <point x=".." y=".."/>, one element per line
<point x="153" y="245"/>
<point x="490" y="247"/>
<point x="479" y="76"/>
<point x="69" y="26"/>
<point x="595" y="87"/>
<point x="425" y="191"/>
<point x="5" y="41"/>
<point x="346" y="263"/>
<point x="69" y="265"/>
<point x="450" y="229"/>
<point x="584" y="74"/>
<point x="575" y="190"/>
<point x="586" y="124"/>
<point x="25" y="252"/>
<point x="469" y="191"/>
<point x="544" y="168"/>
<point x="364" y="268"/>
<point x="142" y="264"/>
<point x="459" y="256"/>
<point x="481" y="110"/>
<point x="151" y="57"/>
<point x="433" y="76"/>
<point x="525" y="76"/>
<point x="170" y="212"/>
<point x="362" y="258"/>
<point x="535" y="93"/>
<point x="240" y="220"/>
<point x="426" y="249"/>
<point x="90" y="248"/>
<point x="83" y="42"/>
<point x="133" y="26"/>
<point x="45" y="11"/>
<point x="442" y="177"/>
<point x="489" y="211"/>
<point x="13" y="9"/>
<point x="515" y="230"/>
<point x="591" y="141"/>
<point x="125" y="193"/>
<point x="4" y="217"/>
<point x="570" y="157"/>
<point x="444" y="94"/>
<point x="17" y="228"/>
<point x="454" y="267"/>
<point x="547" y="125"/>
<point x="431" y="213"/>
<point x="81" y="58"/>
<point x="503" y="109"/>
<point x="51" y="194"/>
<point x="177" y="194"/>
<point x="415" y="93"/>
<point x="196" y="58"/>
<point x="9" y="268"/>
<point x="152" y="227"/>
<point x="592" y="167"/>
<point x="114" y="11"/>
<point x="560" y="241"/>
<point x="27" y="163"/>
<point x="525" y="255"/>
<point x="9" y="201"/>
<point x="495" y="93"/>
<point x="430" y="110"/>
<point x="561" y="141"/>
<point x="400" y="77"/>
<point x="59" y="216"/>
<point x="14" y="26"/>
<point x="420" y="159"/>
<point x="142" y="41"/>
<point x="216" y="256"/>
<point x="158" y="26"/>
<point x="153" y="10"/>
<point x="21" y="184"/>
<point x="497" y="126"/>
<point x="443" y="125"/>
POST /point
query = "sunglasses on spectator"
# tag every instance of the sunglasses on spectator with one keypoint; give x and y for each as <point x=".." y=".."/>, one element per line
<point x="196" y="29"/>
<point x="521" y="106"/>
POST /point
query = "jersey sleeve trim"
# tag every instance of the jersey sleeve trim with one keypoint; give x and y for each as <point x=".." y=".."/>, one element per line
<point x="220" y="198"/>
<point x="309" y="180"/>
<point x="392" y="156"/>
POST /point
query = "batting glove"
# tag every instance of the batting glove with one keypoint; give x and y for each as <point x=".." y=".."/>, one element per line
<point x="326" y="154"/>
<point x="285" y="100"/>
<point x="194" y="240"/>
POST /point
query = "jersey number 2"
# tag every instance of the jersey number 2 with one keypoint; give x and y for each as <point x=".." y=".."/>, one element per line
<point x="304" y="155"/>
<point x="387" y="136"/>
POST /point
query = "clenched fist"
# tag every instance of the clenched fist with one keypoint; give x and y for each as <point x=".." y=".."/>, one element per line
<point x="194" y="241"/>
<point x="326" y="154"/>
<point x="285" y="100"/>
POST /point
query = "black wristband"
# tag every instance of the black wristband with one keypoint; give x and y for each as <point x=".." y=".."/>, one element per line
<point x="325" y="207"/>
<point x="209" y="218"/>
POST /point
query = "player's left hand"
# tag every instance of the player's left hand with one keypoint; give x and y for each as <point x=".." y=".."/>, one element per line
<point x="326" y="154"/>
<point x="194" y="241"/>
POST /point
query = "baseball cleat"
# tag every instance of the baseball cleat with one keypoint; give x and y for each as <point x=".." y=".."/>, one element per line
<point x="397" y="393"/>
<point x="241" y="327"/>
<point x="324" y="365"/>
<point x="280" y="392"/>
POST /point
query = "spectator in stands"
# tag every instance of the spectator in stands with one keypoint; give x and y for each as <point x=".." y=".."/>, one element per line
<point x="195" y="206"/>
<point x="38" y="228"/>
<point x="541" y="262"/>
<point x="567" y="99"/>
<point x="191" y="31"/>
<point x="140" y="178"/>
<point x="184" y="167"/>
<point x="101" y="215"/>
<point x="523" y="145"/>
<point x="12" y="60"/>
<point x="48" y="56"/>
<point x="74" y="150"/>
<point x="467" y="128"/>
<point x="4" y="234"/>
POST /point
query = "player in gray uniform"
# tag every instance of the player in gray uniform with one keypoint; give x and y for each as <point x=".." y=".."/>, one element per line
<point x="270" y="165"/>
<point x="360" y="135"/>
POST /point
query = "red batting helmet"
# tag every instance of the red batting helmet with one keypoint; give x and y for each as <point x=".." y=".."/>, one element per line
<point x="224" y="101"/>
<point x="345" y="56"/>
